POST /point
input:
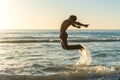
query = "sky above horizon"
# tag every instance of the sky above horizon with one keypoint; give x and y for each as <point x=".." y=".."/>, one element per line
<point x="49" y="14"/>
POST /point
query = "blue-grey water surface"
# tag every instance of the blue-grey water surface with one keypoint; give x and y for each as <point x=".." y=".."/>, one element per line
<point x="39" y="52"/>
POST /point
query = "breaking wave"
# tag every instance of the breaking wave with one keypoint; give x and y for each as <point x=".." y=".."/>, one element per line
<point x="53" y="39"/>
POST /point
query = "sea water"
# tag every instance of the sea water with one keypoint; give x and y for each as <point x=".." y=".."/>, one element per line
<point x="39" y="53"/>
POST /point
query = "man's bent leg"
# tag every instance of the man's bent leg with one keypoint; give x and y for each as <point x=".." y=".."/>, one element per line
<point x="73" y="47"/>
<point x="70" y="47"/>
<point x="64" y="43"/>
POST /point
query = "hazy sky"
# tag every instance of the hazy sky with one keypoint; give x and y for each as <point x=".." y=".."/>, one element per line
<point x="49" y="14"/>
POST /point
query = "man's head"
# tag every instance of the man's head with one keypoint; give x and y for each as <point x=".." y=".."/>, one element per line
<point x="73" y="17"/>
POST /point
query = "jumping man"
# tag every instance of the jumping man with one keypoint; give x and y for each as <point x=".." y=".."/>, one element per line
<point x="63" y="34"/>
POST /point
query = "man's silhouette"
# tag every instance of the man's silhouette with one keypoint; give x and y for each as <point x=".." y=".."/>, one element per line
<point x="63" y="34"/>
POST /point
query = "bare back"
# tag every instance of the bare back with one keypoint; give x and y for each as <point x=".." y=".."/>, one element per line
<point x="64" y="26"/>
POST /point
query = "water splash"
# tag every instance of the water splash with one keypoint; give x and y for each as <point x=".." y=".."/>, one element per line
<point x="104" y="70"/>
<point x="85" y="58"/>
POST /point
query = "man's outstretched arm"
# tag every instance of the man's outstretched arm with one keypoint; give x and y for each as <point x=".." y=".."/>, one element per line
<point x="74" y="25"/>
<point x="78" y="24"/>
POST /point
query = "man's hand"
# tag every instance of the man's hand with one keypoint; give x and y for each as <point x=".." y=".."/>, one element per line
<point x="86" y="25"/>
<point x="79" y="26"/>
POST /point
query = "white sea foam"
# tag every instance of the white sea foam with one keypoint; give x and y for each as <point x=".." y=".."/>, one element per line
<point x="85" y="58"/>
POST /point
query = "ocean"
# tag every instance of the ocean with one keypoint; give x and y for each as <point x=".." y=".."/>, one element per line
<point x="38" y="55"/>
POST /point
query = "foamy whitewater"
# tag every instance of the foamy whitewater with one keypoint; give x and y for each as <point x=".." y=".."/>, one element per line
<point x="85" y="58"/>
<point x="85" y="62"/>
<point x="38" y="55"/>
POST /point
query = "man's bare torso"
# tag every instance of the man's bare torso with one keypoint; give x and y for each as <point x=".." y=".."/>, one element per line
<point x="64" y="26"/>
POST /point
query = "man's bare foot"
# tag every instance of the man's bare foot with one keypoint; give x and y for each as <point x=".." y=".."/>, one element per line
<point x="81" y="47"/>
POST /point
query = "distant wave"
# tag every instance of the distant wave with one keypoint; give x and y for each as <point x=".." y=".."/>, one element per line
<point x="53" y="39"/>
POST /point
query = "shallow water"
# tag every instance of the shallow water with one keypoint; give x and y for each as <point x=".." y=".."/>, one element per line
<point x="46" y="58"/>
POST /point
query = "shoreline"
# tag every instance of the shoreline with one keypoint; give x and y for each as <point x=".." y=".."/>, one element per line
<point x="83" y="75"/>
<point x="60" y="76"/>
